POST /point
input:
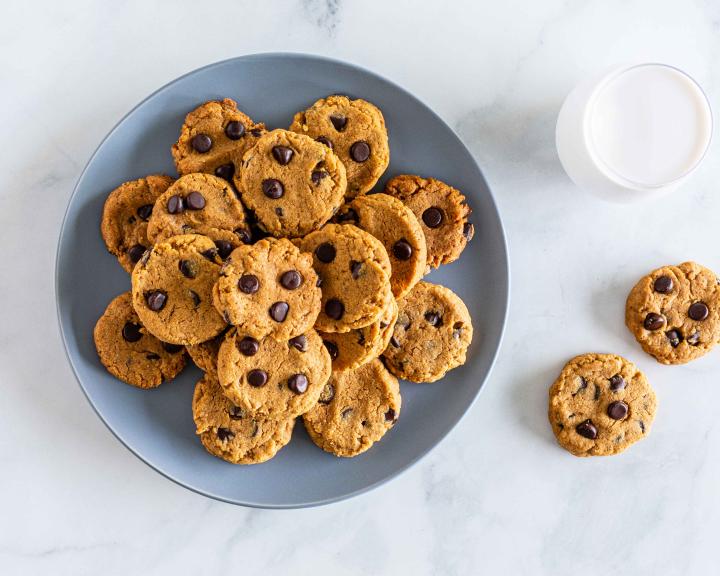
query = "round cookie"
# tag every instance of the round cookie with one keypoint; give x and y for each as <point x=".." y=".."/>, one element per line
<point x="355" y="273"/>
<point x="200" y="204"/>
<point x="395" y="225"/>
<point x="270" y="378"/>
<point x="442" y="212"/>
<point x="131" y="353"/>
<point x="214" y="138"/>
<point x="232" y="434"/>
<point x="355" y="131"/>
<point x="125" y="217"/>
<point x="172" y="290"/>
<point x="674" y="312"/>
<point x="352" y="349"/>
<point x="356" y="409"/>
<point x="600" y="404"/>
<point x="292" y="184"/>
<point x="269" y="289"/>
<point x="205" y="354"/>
<point x="431" y="335"/>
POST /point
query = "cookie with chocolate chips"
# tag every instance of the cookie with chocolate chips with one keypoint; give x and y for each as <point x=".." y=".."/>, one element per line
<point x="356" y="409"/>
<point x="442" y="212"/>
<point x="354" y="269"/>
<point x="172" y="290"/>
<point x="269" y="289"/>
<point x="130" y="352"/>
<point x="231" y="433"/>
<point x="431" y="335"/>
<point x="272" y="378"/>
<point x="214" y="138"/>
<point x="200" y="204"/>
<point x="600" y="404"/>
<point x="355" y="131"/>
<point x="292" y="183"/>
<point x="125" y="217"/>
<point x="674" y="312"/>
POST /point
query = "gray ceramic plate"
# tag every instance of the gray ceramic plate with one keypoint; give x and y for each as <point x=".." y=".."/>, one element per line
<point x="157" y="425"/>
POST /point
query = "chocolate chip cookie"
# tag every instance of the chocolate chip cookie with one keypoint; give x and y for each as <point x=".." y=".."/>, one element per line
<point x="232" y="434"/>
<point x="200" y="204"/>
<point x="214" y="138"/>
<point x="395" y="225"/>
<point x="292" y="183"/>
<point x="355" y="410"/>
<point x="674" y="312"/>
<point x="269" y="289"/>
<point x="125" y="217"/>
<point x="271" y="378"/>
<point x="600" y="404"/>
<point x="131" y="353"/>
<point x="355" y="273"/>
<point x="442" y="212"/>
<point x="172" y="290"/>
<point x="355" y="131"/>
<point x="352" y="349"/>
<point x="204" y="355"/>
<point x="431" y="335"/>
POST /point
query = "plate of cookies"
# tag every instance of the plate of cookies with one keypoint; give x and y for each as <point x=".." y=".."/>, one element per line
<point x="281" y="280"/>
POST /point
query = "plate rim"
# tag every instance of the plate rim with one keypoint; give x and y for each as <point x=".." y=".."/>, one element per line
<point x="395" y="474"/>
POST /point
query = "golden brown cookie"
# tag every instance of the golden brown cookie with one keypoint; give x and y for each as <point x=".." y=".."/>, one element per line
<point x="442" y="212"/>
<point x="355" y="131"/>
<point x="291" y="183"/>
<point x="355" y="410"/>
<point x="674" y="312"/>
<point x="270" y="378"/>
<point x="200" y="204"/>
<point x="354" y="270"/>
<point x="205" y="354"/>
<point x="125" y="217"/>
<point x="431" y="335"/>
<point x="395" y="225"/>
<point x="600" y="404"/>
<point x="269" y="289"/>
<point x="214" y="138"/>
<point x="232" y="434"/>
<point x="131" y="353"/>
<point x="172" y="290"/>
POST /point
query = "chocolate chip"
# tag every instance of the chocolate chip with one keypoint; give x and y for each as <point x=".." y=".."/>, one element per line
<point x="674" y="337"/>
<point x="339" y="122"/>
<point x="325" y="141"/>
<point x="236" y="413"/>
<point x="434" y="319"/>
<point x="244" y="235"/>
<point x="402" y="250"/>
<point x="325" y="252"/>
<point x="318" y="282"/>
<point x="249" y="283"/>
<point x="201" y="143"/>
<point x="279" y="212"/>
<point x="136" y="252"/>
<point x="360" y="151"/>
<point x="348" y="215"/>
<point x="298" y="383"/>
<point x="642" y="426"/>
<point x="152" y="356"/>
<point x="334" y="308"/>
<point x="195" y="201"/>
<point x="175" y="204"/>
<point x="361" y="338"/>
<point x="698" y="311"/>
<point x="355" y="269"/>
<point x="131" y="332"/>
<point x="327" y="394"/>
<point x="279" y="311"/>
<point x="583" y="385"/>
<point x="210" y="254"/>
<point x="282" y="154"/>
<point x="654" y="321"/>
<point x="433" y="217"/>
<point x="694" y="338"/>
<point x="617" y="382"/>
<point x="345" y="414"/>
<point x="195" y="297"/>
<point x="145" y="211"/>
<point x="457" y="330"/>
<point x="235" y="130"/>
<point x="317" y="175"/>
<point x="331" y="348"/>
<point x="225" y="434"/>
<point x="257" y="132"/>
<point x="596" y="396"/>
<point x="156" y="300"/>
<point x="172" y="348"/>
<point x="299" y="342"/>
<point x="291" y="280"/>
<point x="224" y="248"/>
<point x="390" y="415"/>
<point x="248" y="346"/>
<point x="225" y="171"/>
<point x="617" y="410"/>
<point x="468" y="231"/>
<point x="587" y="429"/>
<point x="188" y="268"/>
<point x="394" y="342"/>
<point x="257" y="378"/>
<point x="273" y="188"/>
<point x="663" y="285"/>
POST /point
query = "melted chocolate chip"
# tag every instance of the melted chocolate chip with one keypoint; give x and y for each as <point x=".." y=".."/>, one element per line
<point x="433" y="217"/>
<point x="131" y="332"/>
<point x="402" y="250"/>
<point x="360" y="151"/>
<point x="325" y="141"/>
<point x="235" y="130"/>
<point x="390" y="415"/>
<point x="663" y="285"/>
<point x="236" y="413"/>
<point x="172" y="348"/>
<point x="195" y="201"/>
<point x="298" y="383"/>
<point x="318" y="175"/>
<point x="225" y="171"/>
<point x="468" y="231"/>
<point x="279" y="311"/>
<point x="145" y="211"/>
<point x="224" y="248"/>
<point x="156" y="300"/>
<point x="694" y="338"/>
<point x="135" y="253"/>
<point x="345" y="414"/>
<point x="654" y="321"/>
<point x="394" y="343"/>
<point x="674" y="337"/>
<point x="331" y="348"/>
<point x="201" y="143"/>
<point x="698" y="311"/>
<point x="339" y="122"/>
<point x="195" y="297"/>
<point x="355" y="269"/>
<point x="248" y="346"/>
<point x="299" y="342"/>
<point x="188" y="268"/>
<point x="175" y="204"/>
<point x="152" y="356"/>
<point x="617" y="410"/>
<point x="273" y="188"/>
<point x="349" y="215"/>
<point x="257" y="378"/>
<point x="325" y="252"/>
<point x="249" y="283"/>
<point x="210" y="254"/>
<point x="617" y="382"/>
<point x="291" y="280"/>
<point x="257" y="132"/>
<point x="434" y="319"/>
<point x="334" y="309"/>
<point x="244" y="235"/>
<point x="327" y="394"/>
<point x="282" y="154"/>
<point x="225" y="434"/>
<point x="583" y="385"/>
<point x="587" y="430"/>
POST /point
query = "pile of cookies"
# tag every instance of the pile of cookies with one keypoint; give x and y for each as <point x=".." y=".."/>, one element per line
<point x="294" y="289"/>
<point x="602" y="403"/>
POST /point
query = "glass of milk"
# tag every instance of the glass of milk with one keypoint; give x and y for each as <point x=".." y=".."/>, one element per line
<point x="634" y="132"/>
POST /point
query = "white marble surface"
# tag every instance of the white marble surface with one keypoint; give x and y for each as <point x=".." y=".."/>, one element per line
<point x="497" y="496"/>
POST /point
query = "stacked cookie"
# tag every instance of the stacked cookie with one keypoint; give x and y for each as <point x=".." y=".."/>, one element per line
<point x="296" y="291"/>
